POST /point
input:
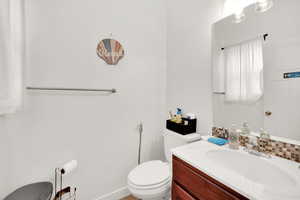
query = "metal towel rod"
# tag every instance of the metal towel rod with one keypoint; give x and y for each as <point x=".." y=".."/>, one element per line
<point x="222" y="93"/>
<point x="113" y="90"/>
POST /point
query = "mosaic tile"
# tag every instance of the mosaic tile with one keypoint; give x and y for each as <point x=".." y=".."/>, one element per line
<point x="273" y="147"/>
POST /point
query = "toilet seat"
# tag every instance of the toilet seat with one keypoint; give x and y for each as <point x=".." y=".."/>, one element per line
<point x="150" y="175"/>
<point x="152" y="187"/>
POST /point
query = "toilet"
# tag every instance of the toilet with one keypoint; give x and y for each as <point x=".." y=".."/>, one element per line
<point x="152" y="180"/>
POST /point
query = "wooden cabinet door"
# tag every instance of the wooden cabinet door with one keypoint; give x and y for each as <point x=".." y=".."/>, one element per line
<point x="200" y="185"/>
<point x="180" y="194"/>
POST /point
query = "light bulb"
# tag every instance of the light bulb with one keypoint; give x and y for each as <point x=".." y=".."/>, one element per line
<point x="264" y="5"/>
<point x="239" y="16"/>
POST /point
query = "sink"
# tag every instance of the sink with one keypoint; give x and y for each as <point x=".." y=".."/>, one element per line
<point x="255" y="177"/>
<point x="255" y="169"/>
<point x="35" y="191"/>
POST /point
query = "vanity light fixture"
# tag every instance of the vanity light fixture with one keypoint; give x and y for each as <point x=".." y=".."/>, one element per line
<point x="260" y="6"/>
<point x="264" y="5"/>
<point x="239" y="16"/>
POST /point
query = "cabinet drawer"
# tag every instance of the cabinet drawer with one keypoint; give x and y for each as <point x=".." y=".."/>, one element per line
<point x="200" y="185"/>
<point x="180" y="194"/>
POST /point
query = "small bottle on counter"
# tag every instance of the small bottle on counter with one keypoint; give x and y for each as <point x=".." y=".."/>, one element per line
<point x="234" y="137"/>
<point x="264" y="142"/>
<point x="245" y="129"/>
<point x="264" y="135"/>
<point x="179" y="116"/>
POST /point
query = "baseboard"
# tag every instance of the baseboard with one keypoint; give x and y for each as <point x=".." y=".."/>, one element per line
<point x="115" y="195"/>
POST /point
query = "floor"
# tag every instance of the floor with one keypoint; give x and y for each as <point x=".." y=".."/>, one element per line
<point x="129" y="198"/>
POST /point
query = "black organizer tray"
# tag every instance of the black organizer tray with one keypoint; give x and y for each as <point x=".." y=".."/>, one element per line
<point x="181" y="128"/>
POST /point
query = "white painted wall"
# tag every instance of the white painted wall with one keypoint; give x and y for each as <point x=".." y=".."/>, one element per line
<point x="5" y="155"/>
<point x="280" y="55"/>
<point x="189" y="57"/>
<point x="97" y="130"/>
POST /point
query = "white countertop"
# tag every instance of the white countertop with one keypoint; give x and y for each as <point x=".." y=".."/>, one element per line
<point x="195" y="154"/>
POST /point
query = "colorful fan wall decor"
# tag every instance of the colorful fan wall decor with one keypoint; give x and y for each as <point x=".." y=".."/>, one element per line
<point x="111" y="51"/>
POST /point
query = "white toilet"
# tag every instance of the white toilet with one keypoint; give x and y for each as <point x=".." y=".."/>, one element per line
<point x="152" y="180"/>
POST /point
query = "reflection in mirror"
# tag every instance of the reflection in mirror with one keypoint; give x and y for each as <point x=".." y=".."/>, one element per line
<point x="256" y="70"/>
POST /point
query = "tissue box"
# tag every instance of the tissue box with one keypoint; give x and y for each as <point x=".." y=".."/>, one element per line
<point x="183" y="129"/>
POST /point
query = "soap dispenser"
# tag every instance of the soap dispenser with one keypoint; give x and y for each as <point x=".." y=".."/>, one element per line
<point x="233" y="137"/>
<point x="245" y="129"/>
<point x="264" y="142"/>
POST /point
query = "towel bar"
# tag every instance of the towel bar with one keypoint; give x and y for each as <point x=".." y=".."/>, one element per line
<point x="113" y="90"/>
<point x="222" y="93"/>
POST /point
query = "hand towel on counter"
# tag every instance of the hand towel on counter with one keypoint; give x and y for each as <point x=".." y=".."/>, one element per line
<point x="217" y="141"/>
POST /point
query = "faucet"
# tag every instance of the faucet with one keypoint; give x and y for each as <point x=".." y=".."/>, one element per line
<point x="254" y="148"/>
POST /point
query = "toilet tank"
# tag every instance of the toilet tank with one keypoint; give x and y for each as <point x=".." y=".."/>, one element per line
<point x="173" y="139"/>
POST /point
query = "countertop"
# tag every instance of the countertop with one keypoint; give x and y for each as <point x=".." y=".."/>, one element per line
<point x="195" y="154"/>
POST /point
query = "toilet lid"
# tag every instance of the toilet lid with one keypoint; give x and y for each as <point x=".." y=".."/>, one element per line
<point x="150" y="173"/>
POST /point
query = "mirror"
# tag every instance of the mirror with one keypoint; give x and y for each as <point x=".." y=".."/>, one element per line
<point x="277" y="110"/>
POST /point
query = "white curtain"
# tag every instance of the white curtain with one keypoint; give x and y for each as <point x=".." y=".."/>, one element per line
<point x="233" y="74"/>
<point x="11" y="55"/>
<point x="244" y="72"/>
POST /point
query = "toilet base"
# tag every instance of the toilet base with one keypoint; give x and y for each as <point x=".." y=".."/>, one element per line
<point x="168" y="197"/>
<point x="160" y="194"/>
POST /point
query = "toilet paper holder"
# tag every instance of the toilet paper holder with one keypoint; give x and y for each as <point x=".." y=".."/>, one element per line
<point x="60" y="192"/>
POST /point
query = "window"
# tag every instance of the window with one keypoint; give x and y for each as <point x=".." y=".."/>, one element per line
<point x="244" y="72"/>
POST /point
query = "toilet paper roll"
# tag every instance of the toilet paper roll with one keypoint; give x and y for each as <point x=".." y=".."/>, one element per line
<point x="69" y="167"/>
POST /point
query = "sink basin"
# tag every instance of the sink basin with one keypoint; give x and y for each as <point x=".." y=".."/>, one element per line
<point x="255" y="177"/>
<point x="254" y="168"/>
<point x="35" y="191"/>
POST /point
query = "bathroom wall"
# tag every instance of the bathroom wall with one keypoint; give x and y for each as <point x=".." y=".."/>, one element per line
<point x="280" y="55"/>
<point x="98" y="130"/>
<point x="189" y="57"/>
<point x="5" y="149"/>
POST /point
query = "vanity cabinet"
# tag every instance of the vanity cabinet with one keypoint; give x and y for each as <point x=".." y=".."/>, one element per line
<point x="190" y="183"/>
<point x="178" y="193"/>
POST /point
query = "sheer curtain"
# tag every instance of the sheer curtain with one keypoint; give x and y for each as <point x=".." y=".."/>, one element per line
<point x="244" y="72"/>
<point x="11" y="55"/>
<point x="233" y="74"/>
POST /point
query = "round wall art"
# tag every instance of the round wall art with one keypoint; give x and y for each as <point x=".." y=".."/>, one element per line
<point x="110" y="50"/>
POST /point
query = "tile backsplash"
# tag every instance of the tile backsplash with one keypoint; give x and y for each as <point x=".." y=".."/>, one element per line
<point x="220" y="132"/>
<point x="276" y="148"/>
